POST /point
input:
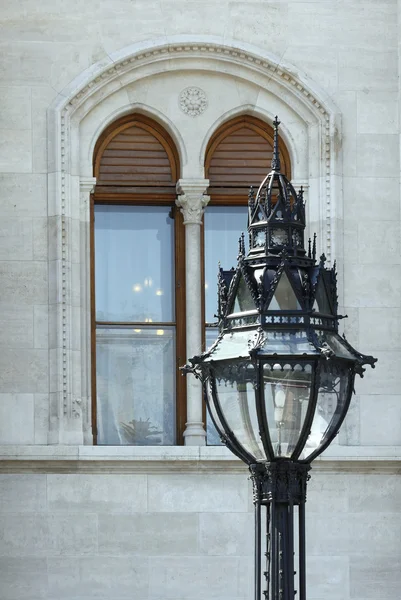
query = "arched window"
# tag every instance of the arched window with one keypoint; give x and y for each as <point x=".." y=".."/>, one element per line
<point x="238" y="155"/>
<point x="138" y="303"/>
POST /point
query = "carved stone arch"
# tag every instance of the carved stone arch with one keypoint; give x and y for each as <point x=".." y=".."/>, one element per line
<point x="92" y="98"/>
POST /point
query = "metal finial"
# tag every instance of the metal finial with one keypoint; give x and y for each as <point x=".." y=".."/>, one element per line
<point x="314" y="247"/>
<point x="276" y="154"/>
<point x="309" y="248"/>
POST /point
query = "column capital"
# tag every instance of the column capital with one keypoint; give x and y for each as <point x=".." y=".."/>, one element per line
<point x="86" y="184"/>
<point x="192" y="199"/>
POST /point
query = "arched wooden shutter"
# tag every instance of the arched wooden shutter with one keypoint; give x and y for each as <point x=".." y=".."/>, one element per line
<point x="239" y="155"/>
<point x="136" y="156"/>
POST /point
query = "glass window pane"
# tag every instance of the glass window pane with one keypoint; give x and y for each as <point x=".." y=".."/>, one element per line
<point x="287" y="390"/>
<point x="134" y="263"/>
<point x="223" y="227"/>
<point x="135" y="386"/>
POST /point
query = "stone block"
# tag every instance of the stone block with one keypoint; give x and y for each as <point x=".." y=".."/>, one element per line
<point x="379" y="242"/>
<point x="16" y="239"/>
<point x="326" y="25"/>
<point x="16" y="151"/>
<point x="368" y="286"/>
<point x="41" y="326"/>
<point x="23" y="535"/>
<point x="366" y="69"/>
<point x="41" y="418"/>
<point x="377" y="112"/>
<point x="16" y="326"/>
<point x="40" y="241"/>
<point x="377" y="153"/>
<point x="72" y="534"/>
<point x="23" y="195"/>
<point x="226" y="534"/>
<point x="350" y="432"/>
<point x="353" y="534"/>
<point x="385" y="379"/>
<point x="23" y="282"/>
<point x="98" y="577"/>
<point x="42" y="97"/>
<point x="97" y="493"/>
<point x="375" y="493"/>
<point x="15" y="107"/>
<point x="24" y="371"/>
<point x="322" y="65"/>
<point x="16" y="418"/>
<point x="380" y="328"/>
<point x="23" y="578"/>
<point x="381" y="419"/>
<point x="327" y="577"/>
<point x="274" y="17"/>
<point x="346" y="102"/>
<point x="362" y="194"/>
<point x="373" y="578"/>
<point x="148" y="534"/>
<point x="198" y="493"/>
<point x="196" y="578"/>
<point x="22" y="493"/>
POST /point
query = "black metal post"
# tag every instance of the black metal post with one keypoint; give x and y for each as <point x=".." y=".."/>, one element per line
<point x="279" y="486"/>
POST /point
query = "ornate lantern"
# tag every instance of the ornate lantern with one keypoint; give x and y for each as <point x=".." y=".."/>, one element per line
<point x="279" y="379"/>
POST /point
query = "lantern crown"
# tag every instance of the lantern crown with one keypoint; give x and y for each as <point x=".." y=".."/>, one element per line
<point x="276" y="213"/>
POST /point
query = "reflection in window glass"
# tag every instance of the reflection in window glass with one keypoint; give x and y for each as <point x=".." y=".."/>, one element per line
<point x="223" y="227"/>
<point x="135" y="385"/>
<point x="134" y="264"/>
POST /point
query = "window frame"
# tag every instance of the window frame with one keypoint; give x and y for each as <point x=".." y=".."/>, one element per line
<point x="146" y="194"/>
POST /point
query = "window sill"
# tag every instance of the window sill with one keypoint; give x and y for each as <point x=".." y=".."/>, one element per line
<point x="147" y="459"/>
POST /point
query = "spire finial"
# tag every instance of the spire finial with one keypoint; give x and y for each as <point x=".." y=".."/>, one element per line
<point x="276" y="154"/>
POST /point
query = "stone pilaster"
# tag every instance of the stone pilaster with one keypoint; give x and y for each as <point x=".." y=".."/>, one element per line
<point x="192" y="200"/>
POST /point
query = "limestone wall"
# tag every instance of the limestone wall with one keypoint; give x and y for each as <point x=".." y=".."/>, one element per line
<point x="182" y="531"/>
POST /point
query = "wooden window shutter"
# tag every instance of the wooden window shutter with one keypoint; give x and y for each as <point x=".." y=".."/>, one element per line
<point x="238" y="155"/>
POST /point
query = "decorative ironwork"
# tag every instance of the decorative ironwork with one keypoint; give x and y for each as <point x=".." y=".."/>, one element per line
<point x="281" y="367"/>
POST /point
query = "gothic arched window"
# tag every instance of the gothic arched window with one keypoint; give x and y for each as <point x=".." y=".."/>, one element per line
<point x="138" y="304"/>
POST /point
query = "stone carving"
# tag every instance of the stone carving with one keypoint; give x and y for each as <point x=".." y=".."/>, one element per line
<point x="192" y="207"/>
<point x="193" y="101"/>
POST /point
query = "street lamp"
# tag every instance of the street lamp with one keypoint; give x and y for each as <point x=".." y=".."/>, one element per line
<point x="279" y="378"/>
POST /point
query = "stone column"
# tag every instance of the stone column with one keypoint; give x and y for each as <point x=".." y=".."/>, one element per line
<point x="86" y="186"/>
<point x="192" y="200"/>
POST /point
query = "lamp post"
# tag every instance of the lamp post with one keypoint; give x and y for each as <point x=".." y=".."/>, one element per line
<point x="279" y="378"/>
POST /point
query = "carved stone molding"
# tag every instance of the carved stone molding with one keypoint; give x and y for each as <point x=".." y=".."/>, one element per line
<point x="192" y="200"/>
<point x="193" y="101"/>
<point x="66" y="190"/>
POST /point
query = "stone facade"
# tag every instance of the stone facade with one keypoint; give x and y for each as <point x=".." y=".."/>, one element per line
<point x="79" y="522"/>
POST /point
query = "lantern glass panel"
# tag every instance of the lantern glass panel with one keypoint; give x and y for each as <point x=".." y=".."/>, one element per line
<point x="214" y="426"/>
<point x="235" y="393"/>
<point x="284" y="296"/>
<point x="243" y="299"/>
<point x="287" y="392"/>
<point x="332" y="398"/>
<point x="322" y="304"/>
